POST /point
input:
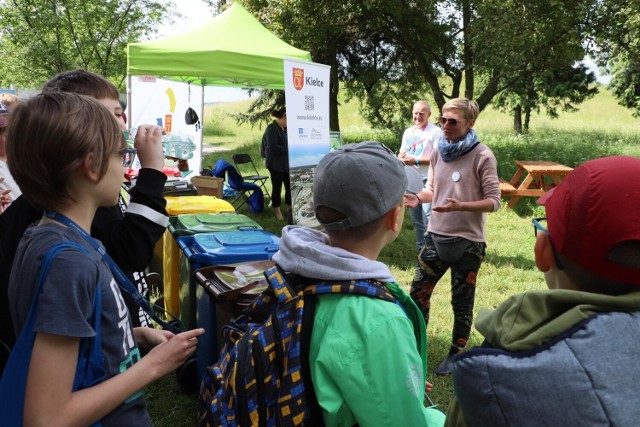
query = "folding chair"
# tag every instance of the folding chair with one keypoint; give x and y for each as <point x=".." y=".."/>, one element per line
<point x="253" y="176"/>
<point x="248" y="192"/>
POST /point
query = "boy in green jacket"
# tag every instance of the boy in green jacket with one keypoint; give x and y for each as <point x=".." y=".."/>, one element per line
<point x="367" y="356"/>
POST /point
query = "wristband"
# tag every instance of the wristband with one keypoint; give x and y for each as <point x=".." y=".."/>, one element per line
<point x="418" y="197"/>
<point x="417" y="161"/>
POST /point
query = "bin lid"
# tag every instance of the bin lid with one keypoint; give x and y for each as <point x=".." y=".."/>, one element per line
<point x="235" y="244"/>
<point x="238" y="282"/>
<point x="195" y="204"/>
<point x="211" y="222"/>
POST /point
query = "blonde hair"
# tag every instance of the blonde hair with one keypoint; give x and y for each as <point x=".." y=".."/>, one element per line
<point x="469" y="108"/>
<point x="49" y="137"/>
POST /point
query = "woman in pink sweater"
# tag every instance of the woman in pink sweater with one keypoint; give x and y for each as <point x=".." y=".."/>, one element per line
<point x="462" y="186"/>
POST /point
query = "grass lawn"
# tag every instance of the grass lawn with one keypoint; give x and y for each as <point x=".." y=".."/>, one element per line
<point x="600" y="128"/>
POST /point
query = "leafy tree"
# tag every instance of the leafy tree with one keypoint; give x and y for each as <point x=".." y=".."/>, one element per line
<point x="557" y="89"/>
<point x="616" y="45"/>
<point x="389" y="53"/>
<point x="41" y="38"/>
<point x="483" y="48"/>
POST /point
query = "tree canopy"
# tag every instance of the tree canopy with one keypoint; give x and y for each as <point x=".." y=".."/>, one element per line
<point x="41" y="38"/>
<point x="616" y="47"/>
<point x="521" y="55"/>
<point x="518" y="55"/>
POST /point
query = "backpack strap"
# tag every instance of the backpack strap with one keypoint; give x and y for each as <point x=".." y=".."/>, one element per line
<point x="315" y="411"/>
<point x="289" y="287"/>
<point x="370" y="288"/>
<point x="286" y="287"/>
<point x="14" y="380"/>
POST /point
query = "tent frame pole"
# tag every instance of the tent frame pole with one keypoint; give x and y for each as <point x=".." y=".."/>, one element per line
<point x="129" y="97"/>
<point x="201" y="124"/>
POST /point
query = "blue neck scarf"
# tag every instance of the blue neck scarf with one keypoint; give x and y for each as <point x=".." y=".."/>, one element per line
<point x="450" y="152"/>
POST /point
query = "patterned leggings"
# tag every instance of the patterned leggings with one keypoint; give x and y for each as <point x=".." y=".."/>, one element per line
<point x="463" y="284"/>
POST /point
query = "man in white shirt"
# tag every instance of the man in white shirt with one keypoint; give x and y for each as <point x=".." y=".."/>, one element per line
<point x="418" y="142"/>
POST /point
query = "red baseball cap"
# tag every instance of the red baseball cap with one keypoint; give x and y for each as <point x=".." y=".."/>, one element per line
<point x="596" y="207"/>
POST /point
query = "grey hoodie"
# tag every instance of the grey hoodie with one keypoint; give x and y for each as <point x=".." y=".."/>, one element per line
<point x="306" y="252"/>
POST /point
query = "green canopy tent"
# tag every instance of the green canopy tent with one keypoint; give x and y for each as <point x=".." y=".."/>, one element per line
<point x="233" y="49"/>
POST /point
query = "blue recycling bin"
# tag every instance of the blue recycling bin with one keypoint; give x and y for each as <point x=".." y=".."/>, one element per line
<point x="208" y="249"/>
<point x="217" y="248"/>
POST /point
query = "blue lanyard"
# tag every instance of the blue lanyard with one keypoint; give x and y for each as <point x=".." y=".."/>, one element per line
<point x="123" y="281"/>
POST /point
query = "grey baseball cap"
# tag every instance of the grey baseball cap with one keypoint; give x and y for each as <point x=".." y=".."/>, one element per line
<point x="363" y="181"/>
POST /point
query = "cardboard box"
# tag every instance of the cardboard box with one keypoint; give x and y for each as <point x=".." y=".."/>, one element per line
<point x="208" y="185"/>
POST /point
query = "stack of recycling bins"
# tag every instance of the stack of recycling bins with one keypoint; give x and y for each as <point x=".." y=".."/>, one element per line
<point x="166" y="259"/>
<point x="209" y="241"/>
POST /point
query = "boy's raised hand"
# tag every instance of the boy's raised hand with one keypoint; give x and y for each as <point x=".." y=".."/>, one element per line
<point x="148" y="142"/>
<point x="5" y="197"/>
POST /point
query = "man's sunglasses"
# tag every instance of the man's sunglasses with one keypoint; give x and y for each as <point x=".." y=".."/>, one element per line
<point x="452" y="122"/>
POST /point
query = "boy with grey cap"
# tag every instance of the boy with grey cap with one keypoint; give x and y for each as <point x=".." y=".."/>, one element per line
<point x="367" y="356"/>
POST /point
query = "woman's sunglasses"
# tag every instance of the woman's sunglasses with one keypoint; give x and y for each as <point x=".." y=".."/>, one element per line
<point x="452" y="122"/>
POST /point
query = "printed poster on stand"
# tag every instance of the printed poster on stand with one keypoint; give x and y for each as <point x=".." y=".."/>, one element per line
<point x="177" y="107"/>
<point x="307" y="102"/>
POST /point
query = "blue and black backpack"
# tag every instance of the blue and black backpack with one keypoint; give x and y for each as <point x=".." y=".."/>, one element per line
<point x="262" y="377"/>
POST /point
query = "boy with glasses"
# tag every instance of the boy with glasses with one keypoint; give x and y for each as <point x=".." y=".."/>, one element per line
<point x="74" y="306"/>
<point x="129" y="232"/>
<point x="462" y="187"/>
<point x="566" y="356"/>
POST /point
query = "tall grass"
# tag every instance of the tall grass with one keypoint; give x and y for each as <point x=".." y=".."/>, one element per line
<point x="599" y="128"/>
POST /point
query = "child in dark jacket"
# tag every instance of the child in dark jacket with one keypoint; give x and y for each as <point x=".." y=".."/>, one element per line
<point x="566" y="356"/>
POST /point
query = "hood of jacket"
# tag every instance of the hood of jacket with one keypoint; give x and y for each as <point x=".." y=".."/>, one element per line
<point x="530" y="319"/>
<point x="307" y="252"/>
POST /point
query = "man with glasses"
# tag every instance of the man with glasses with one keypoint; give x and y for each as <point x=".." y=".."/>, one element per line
<point x="462" y="186"/>
<point x="568" y="355"/>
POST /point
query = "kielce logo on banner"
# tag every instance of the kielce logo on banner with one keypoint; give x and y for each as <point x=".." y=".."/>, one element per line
<point x="299" y="81"/>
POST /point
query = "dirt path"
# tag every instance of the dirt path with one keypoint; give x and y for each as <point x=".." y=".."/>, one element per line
<point x="208" y="149"/>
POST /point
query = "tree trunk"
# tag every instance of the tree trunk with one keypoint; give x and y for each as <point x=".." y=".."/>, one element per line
<point x="334" y="88"/>
<point x="469" y="80"/>
<point x="517" y="120"/>
<point x="527" y="119"/>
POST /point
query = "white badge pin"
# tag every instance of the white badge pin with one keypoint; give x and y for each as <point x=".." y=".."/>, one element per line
<point x="455" y="176"/>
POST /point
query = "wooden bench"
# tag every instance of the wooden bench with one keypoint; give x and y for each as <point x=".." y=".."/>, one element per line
<point x="506" y="189"/>
<point x="532" y="178"/>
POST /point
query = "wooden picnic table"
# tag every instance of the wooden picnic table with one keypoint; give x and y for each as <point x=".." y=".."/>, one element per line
<point x="532" y="179"/>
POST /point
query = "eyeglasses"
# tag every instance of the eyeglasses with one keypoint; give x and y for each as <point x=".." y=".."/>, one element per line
<point x="537" y="226"/>
<point x="452" y="122"/>
<point x="128" y="154"/>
